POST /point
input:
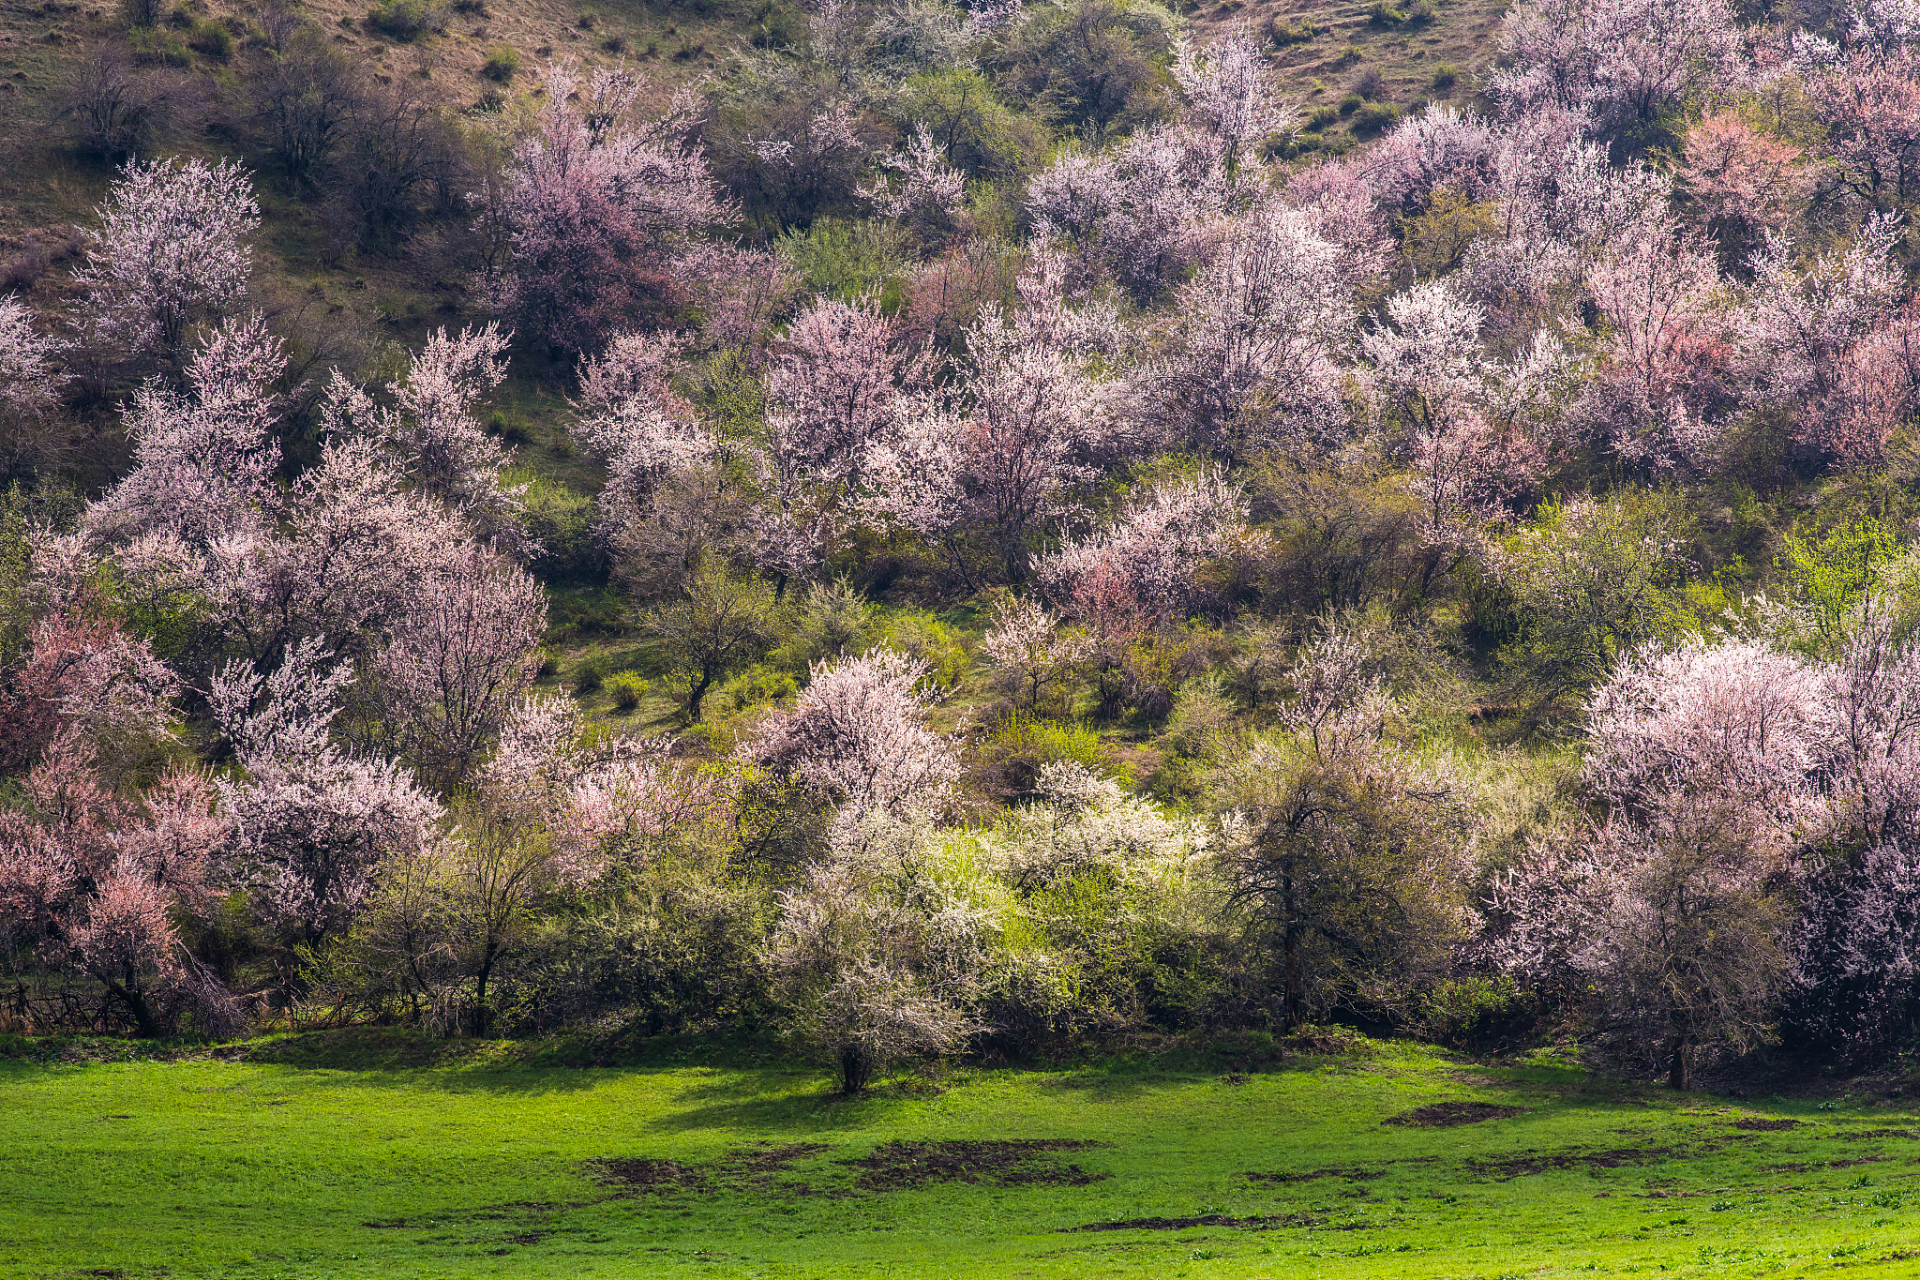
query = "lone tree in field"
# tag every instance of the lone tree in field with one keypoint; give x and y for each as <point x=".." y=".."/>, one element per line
<point x="1345" y="846"/>
<point x="843" y="959"/>
<point x="170" y="252"/>
<point x="719" y="624"/>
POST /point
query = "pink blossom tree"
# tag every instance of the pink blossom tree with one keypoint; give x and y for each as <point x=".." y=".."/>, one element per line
<point x="1249" y="360"/>
<point x="1139" y="213"/>
<point x="928" y="196"/>
<point x="1800" y="331"/>
<point x="1670" y="926"/>
<point x="1157" y="544"/>
<point x="595" y="203"/>
<point x="351" y="545"/>
<point x="1660" y="392"/>
<point x="458" y="657"/>
<point x="1866" y="93"/>
<point x="428" y="425"/>
<point x="738" y="292"/>
<point x="203" y="458"/>
<point x="832" y="392"/>
<point x="1621" y="62"/>
<point x="95" y="885"/>
<point x="1740" y="182"/>
<point x="313" y="822"/>
<point x="1029" y="649"/>
<point x="28" y="384"/>
<point x="858" y="736"/>
<point x="170" y="252"/>
<point x="84" y="676"/>
<point x="1234" y="94"/>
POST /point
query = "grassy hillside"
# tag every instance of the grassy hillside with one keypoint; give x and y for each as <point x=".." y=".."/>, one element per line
<point x="1335" y="1166"/>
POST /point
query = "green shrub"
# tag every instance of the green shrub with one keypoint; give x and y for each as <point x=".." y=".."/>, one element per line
<point x="1009" y="762"/>
<point x="1374" y="117"/>
<point x="1350" y="104"/>
<point x="503" y="63"/>
<point x="760" y="683"/>
<point x="589" y="674"/>
<point x="1352" y="53"/>
<point x="212" y="39"/>
<point x="404" y="19"/>
<point x="154" y="46"/>
<point x="919" y="634"/>
<point x="1385" y="14"/>
<point x="832" y="618"/>
<point x="849" y="258"/>
<point x="1474" y="1012"/>
<point x="561" y="521"/>
<point x="627" y="688"/>
<point x="1321" y="117"/>
<point x="1283" y="32"/>
<point x="1445" y="75"/>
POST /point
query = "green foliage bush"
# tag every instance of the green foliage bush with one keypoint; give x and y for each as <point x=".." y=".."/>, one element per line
<point x="627" y="688"/>
<point x="589" y="674"/>
<point x="405" y="20"/>
<point x="212" y="39"/>
<point x="1009" y="761"/>
<point x="1373" y="118"/>
<point x="502" y="64"/>
<point x="759" y="684"/>
<point x="156" y="46"/>
<point x="919" y="634"/>
<point x="849" y="259"/>
<point x="1284" y="32"/>
<point x="561" y="519"/>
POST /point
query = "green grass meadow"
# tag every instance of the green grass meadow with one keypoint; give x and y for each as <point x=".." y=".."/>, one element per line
<point x="255" y="1169"/>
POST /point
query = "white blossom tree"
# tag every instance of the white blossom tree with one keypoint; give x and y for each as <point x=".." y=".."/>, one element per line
<point x="170" y="252"/>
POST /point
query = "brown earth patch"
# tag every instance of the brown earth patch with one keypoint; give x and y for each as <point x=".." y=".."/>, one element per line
<point x="745" y="1168"/>
<point x="1760" y="1125"/>
<point x="1545" y="1162"/>
<point x="1353" y="1173"/>
<point x="1825" y="1164"/>
<point x="1864" y="1134"/>
<point x="1444" y="1115"/>
<point x="1010" y="1162"/>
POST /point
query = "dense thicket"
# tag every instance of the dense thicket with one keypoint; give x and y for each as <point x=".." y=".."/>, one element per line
<point x="1093" y="552"/>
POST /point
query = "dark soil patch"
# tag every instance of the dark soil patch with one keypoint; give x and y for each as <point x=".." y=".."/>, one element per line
<point x="745" y="1168"/>
<point x="1757" y="1125"/>
<point x="649" y="1175"/>
<point x="901" y="1166"/>
<point x="1863" y="1134"/>
<point x="1209" y="1220"/>
<point x="1544" y="1162"/>
<point x="1825" y="1164"/>
<point x="1444" y="1115"/>
<point x="1353" y="1173"/>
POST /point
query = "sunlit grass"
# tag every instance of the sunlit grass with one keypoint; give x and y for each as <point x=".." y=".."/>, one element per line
<point x="252" y="1170"/>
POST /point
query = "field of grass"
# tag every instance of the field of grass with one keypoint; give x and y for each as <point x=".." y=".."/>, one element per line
<point x="486" y="1166"/>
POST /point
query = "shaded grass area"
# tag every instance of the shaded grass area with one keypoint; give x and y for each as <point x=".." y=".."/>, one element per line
<point x="483" y="1166"/>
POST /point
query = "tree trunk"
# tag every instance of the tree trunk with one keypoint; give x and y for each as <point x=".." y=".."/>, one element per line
<point x="855" y="1069"/>
<point x="1290" y="1005"/>
<point x="695" y="694"/>
<point x="137" y="1005"/>
<point x="1680" y="1063"/>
